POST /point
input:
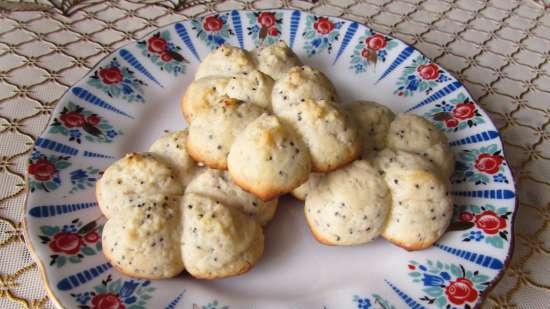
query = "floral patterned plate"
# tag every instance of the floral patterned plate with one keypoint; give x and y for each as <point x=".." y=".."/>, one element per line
<point x="132" y="96"/>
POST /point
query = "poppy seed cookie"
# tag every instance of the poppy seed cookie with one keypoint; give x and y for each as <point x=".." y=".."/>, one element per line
<point x="171" y="147"/>
<point x="212" y="134"/>
<point x="276" y="59"/>
<point x="298" y="84"/>
<point x="330" y="134"/>
<point x="217" y="185"/>
<point x="373" y="121"/>
<point x="253" y="87"/>
<point x="226" y="60"/>
<point x="268" y="160"/>
<point x="391" y="160"/>
<point x="303" y="190"/>
<point x="218" y="241"/>
<point x="349" y="206"/>
<point x="137" y="174"/>
<point x="201" y="95"/>
<point x="415" y="134"/>
<point x="142" y="241"/>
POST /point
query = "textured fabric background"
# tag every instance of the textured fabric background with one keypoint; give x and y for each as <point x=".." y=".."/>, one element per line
<point x="499" y="49"/>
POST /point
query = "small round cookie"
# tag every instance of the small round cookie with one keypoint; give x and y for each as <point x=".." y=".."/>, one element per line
<point x="142" y="241"/>
<point x="217" y="185"/>
<point x="298" y="84"/>
<point x="268" y="160"/>
<point x="421" y="208"/>
<point x="212" y="134"/>
<point x="134" y="175"/>
<point x="349" y="206"/>
<point x="276" y="59"/>
<point x="226" y="60"/>
<point x="171" y="148"/>
<point x="330" y="134"/>
<point x="201" y="94"/>
<point x="302" y="191"/>
<point x="390" y="160"/>
<point x="415" y="134"/>
<point x="254" y="87"/>
<point x="373" y="121"/>
<point x="218" y="241"/>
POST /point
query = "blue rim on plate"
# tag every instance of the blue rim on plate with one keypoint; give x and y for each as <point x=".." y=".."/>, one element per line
<point x="108" y="113"/>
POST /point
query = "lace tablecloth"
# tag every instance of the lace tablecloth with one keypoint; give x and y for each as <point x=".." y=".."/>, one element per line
<point x="499" y="49"/>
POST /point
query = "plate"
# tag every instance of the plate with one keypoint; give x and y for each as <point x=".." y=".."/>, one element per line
<point x="126" y="101"/>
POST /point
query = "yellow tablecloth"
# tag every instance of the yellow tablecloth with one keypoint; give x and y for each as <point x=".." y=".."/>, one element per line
<point x="499" y="49"/>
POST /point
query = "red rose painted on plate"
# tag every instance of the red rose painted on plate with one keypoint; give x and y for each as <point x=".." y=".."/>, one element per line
<point x="157" y="44"/>
<point x="490" y="222"/>
<point x="461" y="291"/>
<point x="323" y="25"/>
<point x="107" y="301"/>
<point x="428" y="71"/>
<point x="166" y="57"/>
<point x="466" y="216"/>
<point x="65" y="242"/>
<point x="376" y="42"/>
<point x="111" y="75"/>
<point x="488" y="163"/>
<point x="451" y="123"/>
<point x="213" y="23"/>
<point x="91" y="237"/>
<point x="365" y="53"/>
<point x="266" y="19"/>
<point x="273" y="31"/>
<point x="72" y="119"/>
<point x="464" y="111"/>
<point x="93" y="119"/>
<point x="42" y="169"/>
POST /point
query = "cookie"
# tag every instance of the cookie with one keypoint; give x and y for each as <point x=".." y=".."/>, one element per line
<point x="415" y="134"/>
<point x="391" y="160"/>
<point x="421" y="208"/>
<point x="276" y="59"/>
<point x="303" y="190"/>
<point x="254" y="87"/>
<point x="142" y="241"/>
<point x="171" y="147"/>
<point x="349" y="206"/>
<point x="329" y="133"/>
<point x="201" y="95"/>
<point x="373" y="121"/>
<point x="218" y="241"/>
<point x="226" y="60"/>
<point x="217" y="185"/>
<point x="298" y="84"/>
<point x="267" y="159"/>
<point x="212" y="134"/>
<point x="137" y="174"/>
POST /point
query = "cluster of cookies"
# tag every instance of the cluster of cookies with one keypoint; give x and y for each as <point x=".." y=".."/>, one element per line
<point x="262" y="125"/>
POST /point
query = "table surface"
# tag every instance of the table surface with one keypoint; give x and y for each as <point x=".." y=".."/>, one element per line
<point x="499" y="49"/>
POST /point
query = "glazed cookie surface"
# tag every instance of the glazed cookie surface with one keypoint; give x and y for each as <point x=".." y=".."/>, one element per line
<point x="217" y="185"/>
<point x="226" y="60"/>
<point x="268" y="160"/>
<point x="137" y="174"/>
<point x="212" y="134"/>
<point x="298" y="84"/>
<point x="201" y="95"/>
<point x="373" y="121"/>
<point x="276" y="59"/>
<point x="142" y="240"/>
<point x="218" y="241"/>
<point x="349" y="206"/>
<point x="331" y="136"/>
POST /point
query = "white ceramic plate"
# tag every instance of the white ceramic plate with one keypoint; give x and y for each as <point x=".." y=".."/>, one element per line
<point x="132" y="96"/>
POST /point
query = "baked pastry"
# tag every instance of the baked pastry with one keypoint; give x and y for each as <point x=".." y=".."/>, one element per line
<point x="171" y="147"/>
<point x="201" y="95"/>
<point x="142" y="240"/>
<point x="328" y="132"/>
<point x="276" y="59"/>
<point x="267" y="160"/>
<point x="212" y="134"/>
<point x="303" y="190"/>
<point x="137" y="174"/>
<point x="254" y="87"/>
<point x="226" y="60"/>
<point x="298" y="84"/>
<point x="415" y="134"/>
<point x="218" y="241"/>
<point x="218" y="185"/>
<point x="373" y="121"/>
<point x="349" y="206"/>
